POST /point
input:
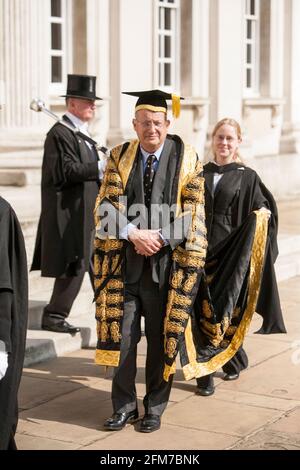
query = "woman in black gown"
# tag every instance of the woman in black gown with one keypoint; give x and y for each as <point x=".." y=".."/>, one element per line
<point x="232" y="192"/>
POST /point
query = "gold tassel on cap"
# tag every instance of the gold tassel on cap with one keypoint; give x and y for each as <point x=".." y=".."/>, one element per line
<point x="175" y="105"/>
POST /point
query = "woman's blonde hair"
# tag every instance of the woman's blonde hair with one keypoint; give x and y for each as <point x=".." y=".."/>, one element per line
<point x="233" y="123"/>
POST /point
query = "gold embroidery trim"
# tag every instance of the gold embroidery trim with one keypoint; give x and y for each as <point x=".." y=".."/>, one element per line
<point x="236" y="312"/>
<point x="115" y="284"/>
<point x="108" y="245"/>
<point x="206" y="309"/>
<point x="169" y="370"/>
<point x="126" y="162"/>
<point x="195" y="369"/>
<point x="231" y="330"/>
<point x="114" y="298"/>
<point x="101" y="312"/>
<point x="173" y="327"/>
<point x="103" y="331"/>
<point x="155" y="109"/>
<point x="115" y="332"/>
<point x="107" y="358"/>
<point x="186" y="259"/>
<point x="113" y="178"/>
<point x="182" y="300"/>
<point x="189" y="283"/>
<point x="171" y="347"/>
<point x="177" y="279"/>
<point x="187" y="169"/>
<point x="179" y="315"/>
<point x="113" y="312"/>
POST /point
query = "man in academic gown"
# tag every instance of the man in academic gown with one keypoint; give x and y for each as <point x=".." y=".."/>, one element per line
<point x="13" y="320"/>
<point x="147" y="267"/>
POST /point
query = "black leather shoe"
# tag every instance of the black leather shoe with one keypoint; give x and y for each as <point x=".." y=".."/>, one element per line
<point x="205" y="391"/>
<point x="61" y="327"/>
<point x="118" y="420"/>
<point x="150" y="423"/>
<point x="231" y="376"/>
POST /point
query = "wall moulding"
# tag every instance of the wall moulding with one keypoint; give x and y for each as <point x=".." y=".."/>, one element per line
<point x="274" y="104"/>
<point x="199" y="106"/>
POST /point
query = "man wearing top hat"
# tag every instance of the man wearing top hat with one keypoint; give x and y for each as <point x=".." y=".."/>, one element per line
<point x="147" y="260"/>
<point x="70" y="184"/>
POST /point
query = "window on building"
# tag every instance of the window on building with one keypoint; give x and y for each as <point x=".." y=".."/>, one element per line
<point x="168" y="33"/>
<point x="57" y="44"/>
<point x="252" y="17"/>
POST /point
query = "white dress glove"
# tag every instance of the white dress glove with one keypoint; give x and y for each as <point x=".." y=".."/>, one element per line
<point x="3" y="363"/>
<point x="264" y="209"/>
<point x="102" y="167"/>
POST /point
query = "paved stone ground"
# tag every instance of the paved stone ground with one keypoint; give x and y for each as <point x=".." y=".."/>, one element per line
<point x="65" y="401"/>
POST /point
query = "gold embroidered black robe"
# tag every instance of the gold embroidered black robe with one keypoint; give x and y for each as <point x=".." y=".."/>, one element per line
<point x="187" y="258"/>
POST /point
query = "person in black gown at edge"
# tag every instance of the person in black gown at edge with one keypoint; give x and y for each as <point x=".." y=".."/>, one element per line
<point x="13" y="320"/>
<point x="232" y="191"/>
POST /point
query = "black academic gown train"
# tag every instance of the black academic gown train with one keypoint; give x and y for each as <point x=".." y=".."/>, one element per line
<point x="240" y="192"/>
<point x="224" y="291"/>
<point x="13" y="318"/>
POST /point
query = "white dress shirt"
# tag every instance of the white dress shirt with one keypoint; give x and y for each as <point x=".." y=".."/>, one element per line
<point x="125" y="232"/>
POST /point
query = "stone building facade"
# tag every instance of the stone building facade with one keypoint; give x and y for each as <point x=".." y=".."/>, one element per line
<point x="237" y="58"/>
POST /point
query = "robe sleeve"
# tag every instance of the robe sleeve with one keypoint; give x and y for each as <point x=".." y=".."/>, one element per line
<point x="268" y="304"/>
<point x="6" y="289"/>
<point x="5" y="318"/>
<point x="5" y="241"/>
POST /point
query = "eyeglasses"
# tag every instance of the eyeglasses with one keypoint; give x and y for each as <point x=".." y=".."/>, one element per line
<point x="220" y="138"/>
<point x="148" y="124"/>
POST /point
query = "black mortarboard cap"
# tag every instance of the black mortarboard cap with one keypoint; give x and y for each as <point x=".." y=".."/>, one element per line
<point x="155" y="100"/>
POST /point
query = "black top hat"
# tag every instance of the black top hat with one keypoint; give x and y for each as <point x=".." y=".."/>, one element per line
<point x="81" y="86"/>
<point x="155" y="100"/>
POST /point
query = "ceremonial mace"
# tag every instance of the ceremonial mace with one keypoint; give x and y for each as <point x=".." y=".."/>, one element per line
<point x="38" y="105"/>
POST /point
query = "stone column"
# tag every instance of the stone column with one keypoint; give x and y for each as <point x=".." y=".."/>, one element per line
<point x="131" y="61"/>
<point x="200" y="48"/>
<point x="226" y="59"/>
<point x="80" y="11"/>
<point x="97" y="62"/>
<point x="200" y="70"/>
<point x="23" y="67"/>
<point x="290" y="142"/>
<point x="263" y="113"/>
<point x="276" y="48"/>
<point x="192" y="125"/>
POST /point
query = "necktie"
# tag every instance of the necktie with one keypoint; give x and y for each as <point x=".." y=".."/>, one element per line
<point x="148" y="179"/>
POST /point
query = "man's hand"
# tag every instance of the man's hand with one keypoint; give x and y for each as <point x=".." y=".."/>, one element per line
<point x="146" y="242"/>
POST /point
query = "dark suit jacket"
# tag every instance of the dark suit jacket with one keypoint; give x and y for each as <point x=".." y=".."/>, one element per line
<point x="69" y="190"/>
